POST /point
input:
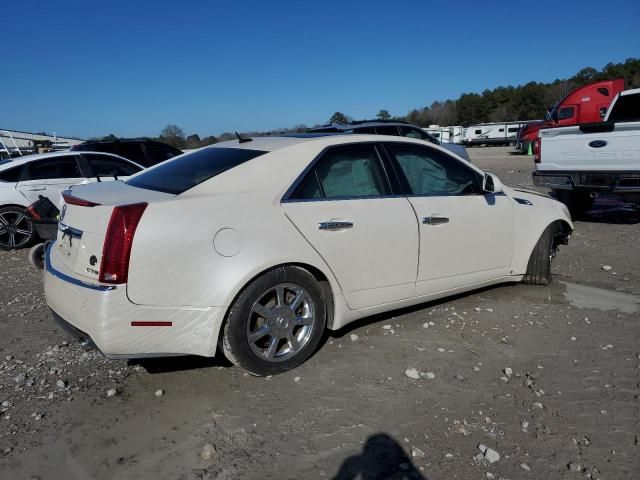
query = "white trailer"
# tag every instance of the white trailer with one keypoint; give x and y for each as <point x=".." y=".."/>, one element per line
<point x="452" y="134"/>
<point x="501" y="133"/>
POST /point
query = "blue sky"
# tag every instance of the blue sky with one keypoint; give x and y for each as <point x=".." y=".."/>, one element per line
<point x="85" y="68"/>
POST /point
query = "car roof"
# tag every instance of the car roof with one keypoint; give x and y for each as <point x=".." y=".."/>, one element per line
<point x="273" y="143"/>
<point x="122" y="140"/>
<point x="63" y="153"/>
<point x="363" y="123"/>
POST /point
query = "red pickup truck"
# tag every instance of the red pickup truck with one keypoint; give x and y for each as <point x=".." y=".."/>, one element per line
<point x="586" y="104"/>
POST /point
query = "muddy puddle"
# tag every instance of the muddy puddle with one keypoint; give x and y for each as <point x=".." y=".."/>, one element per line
<point x="581" y="296"/>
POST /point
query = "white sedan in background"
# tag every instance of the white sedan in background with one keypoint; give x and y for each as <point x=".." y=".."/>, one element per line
<point x="255" y="247"/>
<point x="25" y="179"/>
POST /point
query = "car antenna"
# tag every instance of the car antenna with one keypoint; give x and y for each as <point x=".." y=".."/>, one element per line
<point x="243" y="140"/>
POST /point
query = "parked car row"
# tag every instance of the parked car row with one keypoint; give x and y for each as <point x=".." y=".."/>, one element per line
<point x="26" y="179"/>
<point x="581" y="161"/>
<point x="274" y="240"/>
<point x="390" y="127"/>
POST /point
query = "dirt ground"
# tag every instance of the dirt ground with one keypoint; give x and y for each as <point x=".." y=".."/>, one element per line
<point x="546" y="378"/>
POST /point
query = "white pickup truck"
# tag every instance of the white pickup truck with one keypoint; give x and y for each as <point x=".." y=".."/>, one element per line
<point x="580" y="161"/>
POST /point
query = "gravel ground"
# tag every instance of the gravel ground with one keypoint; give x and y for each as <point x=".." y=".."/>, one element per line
<point x="507" y="382"/>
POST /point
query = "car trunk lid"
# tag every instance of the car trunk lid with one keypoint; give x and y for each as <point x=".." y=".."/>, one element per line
<point x="84" y="219"/>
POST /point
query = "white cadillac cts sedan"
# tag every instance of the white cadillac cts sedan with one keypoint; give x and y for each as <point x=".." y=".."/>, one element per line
<point x="256" y="247"/>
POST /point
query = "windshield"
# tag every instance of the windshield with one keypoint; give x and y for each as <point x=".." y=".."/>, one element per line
<point x="185" y="172"/>
<point x="552" y="112"/>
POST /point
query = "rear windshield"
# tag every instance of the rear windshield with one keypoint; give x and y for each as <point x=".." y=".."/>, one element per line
<point x="179" y="175"/>
<point x="626" y="109"/>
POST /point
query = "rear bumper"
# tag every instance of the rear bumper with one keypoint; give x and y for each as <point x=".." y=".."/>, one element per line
<point x="102" y="316"/>
<point x="616" y="182"/>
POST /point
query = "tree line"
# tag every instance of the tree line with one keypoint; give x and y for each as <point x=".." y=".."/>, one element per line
<point x="502" y="104"/>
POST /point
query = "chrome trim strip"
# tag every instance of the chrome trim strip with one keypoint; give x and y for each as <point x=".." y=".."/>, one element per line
<point x="49" y="268"/>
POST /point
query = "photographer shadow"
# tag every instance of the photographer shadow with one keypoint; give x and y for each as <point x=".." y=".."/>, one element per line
<point x="382" y="458"/>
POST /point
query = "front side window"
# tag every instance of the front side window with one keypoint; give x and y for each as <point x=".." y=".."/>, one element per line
<point x="185" y="172"/>
<point x="52" y="168"/>
<point x="105" y="166"/>
<point x="565" y="112"/>
<point x="352" y="171"/>
<point x="433" y="173"/>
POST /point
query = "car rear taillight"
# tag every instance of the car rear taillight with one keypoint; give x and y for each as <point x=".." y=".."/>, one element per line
<point x="32" y="211"/>
<point x="536" y="150"/>
<point x="73" y="200"/>
<point x="116" y="250"/>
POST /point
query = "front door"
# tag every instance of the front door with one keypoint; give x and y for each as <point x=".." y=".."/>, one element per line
<point x="369" y="239"/>
<point x="466" y="236"/>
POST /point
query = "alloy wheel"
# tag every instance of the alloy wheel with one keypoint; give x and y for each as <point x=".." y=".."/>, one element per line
<point x="16" y="229"/>
<point x="281" y="322"/>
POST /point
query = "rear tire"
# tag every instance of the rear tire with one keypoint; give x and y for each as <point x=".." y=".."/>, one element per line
<point x="16" y="229"/>
<point x="36" y="256"/>
<point x="276" y="323"/>
<point x="578" y="202"/>
<point x="539" y="266"/>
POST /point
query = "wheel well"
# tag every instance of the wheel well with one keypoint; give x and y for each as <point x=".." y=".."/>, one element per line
<point x="13" y="205"/>
<point x="317" y="274"/>
<point x="562" y="232"/>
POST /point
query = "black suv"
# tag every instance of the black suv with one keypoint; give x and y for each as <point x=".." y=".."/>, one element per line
<point x="143" y="151"/>
<point x="389" y="127"/>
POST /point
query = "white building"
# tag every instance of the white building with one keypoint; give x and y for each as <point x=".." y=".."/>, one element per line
<point x="15" y="142"/>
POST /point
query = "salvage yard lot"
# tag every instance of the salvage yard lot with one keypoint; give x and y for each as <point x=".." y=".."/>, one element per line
<point x="547" y="377"/>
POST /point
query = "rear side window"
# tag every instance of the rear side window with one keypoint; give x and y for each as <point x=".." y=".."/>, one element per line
<point x="181" y="174"/>
<point x="132" y="151"/>
<point x="158" y="152"/>
<point x="106" y="166"/>
<point x="58" y="167"/>
<point x="11" y="174"/>
<point x="413" y="133"/>
<point x="345" y="172"/>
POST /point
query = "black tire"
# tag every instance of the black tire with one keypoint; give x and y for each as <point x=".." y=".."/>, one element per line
<point x="577" y="202"/>
<point x="36" y="256"/>
<point x="539" y="266"/>
<point x="241" y="340"/>
<point x="16" y="229"/>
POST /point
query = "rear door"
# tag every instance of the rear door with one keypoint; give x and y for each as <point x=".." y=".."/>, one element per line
<point x="466" y="236"/>
<point x="345" y="209"/>
<point x="70" y="173"/>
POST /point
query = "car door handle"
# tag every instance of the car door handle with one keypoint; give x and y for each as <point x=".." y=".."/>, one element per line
<point x="35" y="189"/>
<point x="433" y="220"/>
<point x="333" y="226"/>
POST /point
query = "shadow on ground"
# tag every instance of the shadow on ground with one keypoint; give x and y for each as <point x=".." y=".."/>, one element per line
<point x="609" y="208"/>
<point x="382" y="458"/>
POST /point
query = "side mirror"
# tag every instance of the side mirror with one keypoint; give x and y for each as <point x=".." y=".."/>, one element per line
<point x="491" y="184"/>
